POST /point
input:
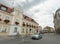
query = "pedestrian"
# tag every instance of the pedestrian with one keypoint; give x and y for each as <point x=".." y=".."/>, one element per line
<point x="17" y="35"/>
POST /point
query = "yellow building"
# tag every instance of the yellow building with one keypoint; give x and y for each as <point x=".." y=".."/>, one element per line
<point x="29" y="25"/>
<point x="12" y="20"/>
<point x="5" y="19"/>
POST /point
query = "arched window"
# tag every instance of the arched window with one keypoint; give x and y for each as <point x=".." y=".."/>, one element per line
<point x="30" y="30"/>
<point x="6" y="19"/>
<point x="16" y="21"/>
<point x="27" y="24"/>
<point x="0" y="17"/>
<point x="15" y="29"/>
<point x="23" y="23"/>
<point x="26" y="30"/>
<point x="4" y="29"/>
<point x="23" y="30"/>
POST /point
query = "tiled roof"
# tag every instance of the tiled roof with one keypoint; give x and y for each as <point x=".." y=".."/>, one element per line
<point x="8" y="8"/>
<point x="30" y="19"/>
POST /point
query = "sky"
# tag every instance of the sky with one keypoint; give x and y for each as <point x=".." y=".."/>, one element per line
<point x="40" y="10"/>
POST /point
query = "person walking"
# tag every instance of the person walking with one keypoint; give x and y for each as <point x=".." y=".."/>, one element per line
<point x="17" y="35"/>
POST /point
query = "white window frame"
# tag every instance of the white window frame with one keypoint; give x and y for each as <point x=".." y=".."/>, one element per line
<point x="3" y="8"/>
<point x="23" y="30"/>
<point x="14" y="29"/>
<point x="6" y="18"/>
<point x="16" y="20"/>
<point x="26" y="30"/>
<point x="2" y="28"/>
<point x="0" y="16"/>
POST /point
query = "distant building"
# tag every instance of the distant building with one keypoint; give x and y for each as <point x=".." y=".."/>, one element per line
<point x="40" y="29"/>
<point x="12" y="20"/>
<point x="57" y="21"/>
<point x="45" y="30"/>
<point x="48" y="29"/>
<point x="29" y="25"/>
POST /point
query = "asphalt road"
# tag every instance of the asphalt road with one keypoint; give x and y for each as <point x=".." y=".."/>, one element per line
<point x="47" y="39"/>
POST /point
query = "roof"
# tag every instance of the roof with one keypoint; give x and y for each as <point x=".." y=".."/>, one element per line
<point x="8" y="8"/>
<point x="30" y="18"/>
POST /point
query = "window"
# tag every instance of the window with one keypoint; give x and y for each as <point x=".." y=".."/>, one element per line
<point x="23" y="23"/>
<point x="27" y="18"/>
<point x="4" y="29"/>
<point x="37" y="30"/>
<point x="0" y="16"/>
<point x="15" y="29"/>
<point x="3" y="8"/>
<point x="27" y="24"/>
<point x="16" y="20"/>
<point x="22" y="30"/>
<point x="30" y="30"/>
<point x="26" y="30"/>
<point x="6" y="17"/>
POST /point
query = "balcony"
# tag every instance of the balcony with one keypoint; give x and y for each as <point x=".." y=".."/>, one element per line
<point x="17" y="23"/>
<point x="6" y="21"/>
<point x="0" y="19"/>
<point x="23" y="24"/>
<point x="27" y="25"/>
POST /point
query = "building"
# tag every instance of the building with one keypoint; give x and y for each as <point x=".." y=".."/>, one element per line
<point x="40" y="29"/>
<point x="48" y="29"/>
<point x="57" y="21"/>
<point x="45" y="30"/>
<point x="12" y="20"/>
<point x="29" y="25"/>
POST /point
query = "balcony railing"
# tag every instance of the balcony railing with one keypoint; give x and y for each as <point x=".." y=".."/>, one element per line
<point x="6" y="21"/>
<point x="0" y="19"/>
<point x="23" y="24"/>
<point x="17" y="23"/>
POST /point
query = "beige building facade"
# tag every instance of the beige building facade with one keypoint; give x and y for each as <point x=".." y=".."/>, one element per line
<point x="12" y="20"/>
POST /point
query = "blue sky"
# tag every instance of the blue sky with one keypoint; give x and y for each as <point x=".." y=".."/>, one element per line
<point x="40" y="10"/>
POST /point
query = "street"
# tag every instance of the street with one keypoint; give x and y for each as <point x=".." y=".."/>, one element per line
<point x="49" y="38"/>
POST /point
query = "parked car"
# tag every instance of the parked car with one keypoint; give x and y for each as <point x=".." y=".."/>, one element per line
<point x="36" y="36"/>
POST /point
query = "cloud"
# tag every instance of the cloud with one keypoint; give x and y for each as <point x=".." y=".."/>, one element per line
<point x="44" y="20"/>
<point x="31" y="3"/>
<point x="41" y="10"/>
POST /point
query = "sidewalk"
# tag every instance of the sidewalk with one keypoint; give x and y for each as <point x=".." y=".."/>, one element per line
<point x="13" y="37"/>
<point x="7" y="37"/>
